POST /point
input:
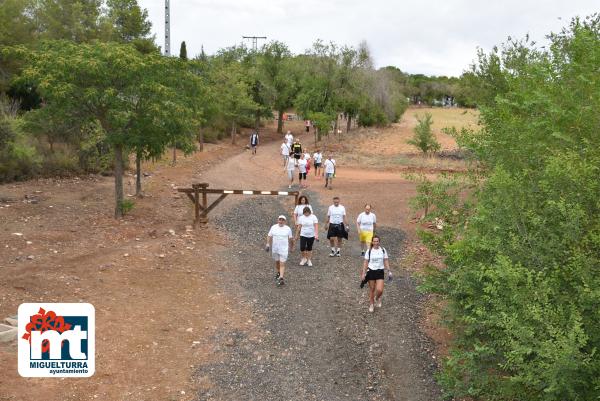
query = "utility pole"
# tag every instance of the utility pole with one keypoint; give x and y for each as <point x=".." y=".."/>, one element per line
<point x="167" y="28"/>
<point x="254" y="40"/>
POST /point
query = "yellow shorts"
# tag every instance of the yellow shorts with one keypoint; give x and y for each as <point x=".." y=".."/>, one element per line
<point x="366" y="236"/>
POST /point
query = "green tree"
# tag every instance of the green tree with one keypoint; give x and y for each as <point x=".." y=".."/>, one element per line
<point x="423" y="137"/>
<point x="134" y="98"/>
<point x="280" y="78"/>
<point x="521" y="282"/>
<point x="183" y="51"/>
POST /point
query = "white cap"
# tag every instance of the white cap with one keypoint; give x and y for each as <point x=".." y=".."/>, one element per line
<point x="281" y="217"/>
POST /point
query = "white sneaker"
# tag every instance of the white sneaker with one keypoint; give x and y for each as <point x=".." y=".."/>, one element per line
<point x="289" y="187"/>
<point x="303" y="262"/>
<point x="371" y="308"/>
<point x="309" y="263"/>
<point x="378" y="303"/>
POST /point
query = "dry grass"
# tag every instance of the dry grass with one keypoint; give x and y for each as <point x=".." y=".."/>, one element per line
<point x="387" y="147"/>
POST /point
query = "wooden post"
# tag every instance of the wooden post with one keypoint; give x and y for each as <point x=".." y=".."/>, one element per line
<point x="204" y="218"/>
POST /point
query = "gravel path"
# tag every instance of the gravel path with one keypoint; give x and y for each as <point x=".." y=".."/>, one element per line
<point x="317" y="340"/>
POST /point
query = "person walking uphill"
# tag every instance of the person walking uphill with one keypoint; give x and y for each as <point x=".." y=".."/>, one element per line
<point x="280" y="239"/>
<point x="254" y="141"/>
<point x="307" y="230"/>
<point x="373" y="272"/>
<point x="336" y="226"/>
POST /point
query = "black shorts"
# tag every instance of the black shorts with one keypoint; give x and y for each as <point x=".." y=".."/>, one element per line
<point x="302" y="176"/>
<point x="296" y="156"/>
<point x="375" y="275"/>
<point x="306" y="243"/>
<point x="307" y="128"/>
<point x="337" y="230"/>
<point x="317" y="165"/>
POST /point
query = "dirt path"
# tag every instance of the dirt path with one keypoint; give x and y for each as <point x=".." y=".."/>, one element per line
<point x="313" y="338"/>
<point x="214" y="326"/>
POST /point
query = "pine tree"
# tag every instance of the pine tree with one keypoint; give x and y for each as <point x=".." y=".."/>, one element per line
<point x="183" y="51"/>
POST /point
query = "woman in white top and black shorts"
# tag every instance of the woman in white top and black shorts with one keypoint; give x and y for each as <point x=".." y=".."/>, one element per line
<point x="373" y="272"/>
<point x="307" y="229"/>
<point x="299" y="209"/>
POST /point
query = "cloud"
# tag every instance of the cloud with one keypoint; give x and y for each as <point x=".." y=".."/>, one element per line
<point x="435" y="37"/>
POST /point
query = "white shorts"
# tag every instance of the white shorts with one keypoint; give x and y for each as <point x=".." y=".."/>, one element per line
<point x="279" y="257"/>
<point x="290" y="174"/>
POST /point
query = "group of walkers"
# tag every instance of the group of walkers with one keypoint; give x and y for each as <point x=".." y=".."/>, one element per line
<point x="281" y="239"/>
<point x="296" y="158"/>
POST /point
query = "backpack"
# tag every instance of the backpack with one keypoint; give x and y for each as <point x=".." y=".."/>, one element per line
<point x="384" y="253"/>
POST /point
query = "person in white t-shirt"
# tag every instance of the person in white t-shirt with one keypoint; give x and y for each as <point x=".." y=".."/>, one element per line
<point x="307" y="230"/>
<point x="373" y="272"/>
<point x="302" y="166"/>
<point x="330" y="169"/>
<point x="299" y="209"/>
<point x="285" y="152"/>
<point x="289" y="138"/>
<point x="336" y="226"/>
<point x="290" y="169"/>
<point x="280" y="240"/>
<point x="318" y="160"/>
<point x="365" y="225"/>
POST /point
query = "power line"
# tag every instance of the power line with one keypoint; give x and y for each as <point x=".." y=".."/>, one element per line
<point x="254" y="40"/>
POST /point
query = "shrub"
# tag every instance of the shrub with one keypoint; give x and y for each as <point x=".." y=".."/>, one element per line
<point x="424" y="138"/>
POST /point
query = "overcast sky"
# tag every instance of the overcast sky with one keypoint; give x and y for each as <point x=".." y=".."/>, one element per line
<point x="431" y="37"/>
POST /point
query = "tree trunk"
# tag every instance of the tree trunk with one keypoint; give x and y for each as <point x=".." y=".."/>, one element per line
<point x="335" y="128"/>
<point x="233" y="132"/>
<point x="257" y="120"/>
<point x="138" y="174"/>
<point x="118" y="181"/>
<point x="174" y="155"/>
<point x="280" y="122"/>
<point x="201" y="139"/>
<point x="349" y="123"/>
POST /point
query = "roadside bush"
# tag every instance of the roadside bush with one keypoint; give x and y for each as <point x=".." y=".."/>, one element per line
<point x="521" y="286"/>
<point x="18" y="159"/>
<point x="372" y="115"/>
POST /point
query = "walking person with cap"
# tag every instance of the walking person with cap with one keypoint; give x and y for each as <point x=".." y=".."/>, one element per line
<point x="280" y="240"/>
<point x="307" y="230"/>
<point x="373" y="272"/>
<point x="365" y="225"/>
<point x="336" y="226"/>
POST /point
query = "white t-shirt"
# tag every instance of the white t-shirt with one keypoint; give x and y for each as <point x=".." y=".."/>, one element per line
<point x="281" y="237"/>
<point x="307" y="156"/>
<point x="318" y="157"/>
<point x="366" y="221"/>
<point x="302" y="165"/>
<point x="290" y="139"/>
<point x="291" y="164"/>
<point x="336" y="214"/>
<point x="377" y="257"/>
<point x="298" y="211"/>
<point x="307" y="224"/>
<point x="330" y="166"/>
<point x="285" y="149"/>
